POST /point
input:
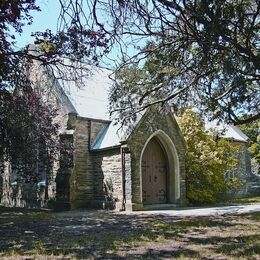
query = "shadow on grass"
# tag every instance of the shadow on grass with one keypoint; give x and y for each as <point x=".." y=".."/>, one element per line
<point x="157" y="254"/>
<point x="242" y="201"/>
<point x="255" y="216"/>
<point x="103" y="234"/>
<point x="241" y="246"/>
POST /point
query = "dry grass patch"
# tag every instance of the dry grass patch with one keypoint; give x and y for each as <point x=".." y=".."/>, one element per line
<point x="113" y="236"/>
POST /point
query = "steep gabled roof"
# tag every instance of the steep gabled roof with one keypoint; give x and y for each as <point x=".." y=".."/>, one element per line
<point x="111" y="136"/>
<point x="236" y="133"/>
<point x="227" y="131"/>
<point x="91" y="100"/>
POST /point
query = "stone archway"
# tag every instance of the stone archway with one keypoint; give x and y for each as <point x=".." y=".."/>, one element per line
<point x="154" y="173"/>
<point x="171" y="169"/>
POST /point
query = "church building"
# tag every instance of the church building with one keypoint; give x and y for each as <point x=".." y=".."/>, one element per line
<point x="112" y="167"/>
<point x="115" y="168"/>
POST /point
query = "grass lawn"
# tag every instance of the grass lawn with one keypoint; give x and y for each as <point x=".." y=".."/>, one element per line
<point x="95" y="235"/>
<point x="243" y="201"/>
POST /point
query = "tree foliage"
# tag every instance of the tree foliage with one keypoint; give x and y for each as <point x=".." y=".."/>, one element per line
<point x="201" y="53"/>
<point x="69" y="39"/>
<point x="208" y="160"/>
<point x="27" y="129"/>
<point x="204" y="53"/>
<point x="26" y="121"/>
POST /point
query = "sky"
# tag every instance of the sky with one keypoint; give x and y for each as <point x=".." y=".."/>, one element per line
<point x="47" y="19"/>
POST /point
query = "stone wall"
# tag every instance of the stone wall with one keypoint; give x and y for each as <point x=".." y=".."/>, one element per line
<point x="32" y="186"/>
<point x="64" y="173"/>
<point x="6" y="188"/>
<point x="47" y="86"/>
<point x="128" y="182"/>
<point x="20" y="193"/>
<point x="96" y="178"/>
<point x="107" y="165"/>
<point x="17" y="193"/>
<point x="244" y="162"/>
<point x="81" y="179"/>
<point x="249" y="184"/>
<point x="154" y="120"/>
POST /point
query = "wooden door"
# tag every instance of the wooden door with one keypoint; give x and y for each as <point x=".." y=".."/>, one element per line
<point x="154" y="174"/>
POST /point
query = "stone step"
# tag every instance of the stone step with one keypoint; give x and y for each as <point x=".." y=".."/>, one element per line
<point x="166" y="206"/>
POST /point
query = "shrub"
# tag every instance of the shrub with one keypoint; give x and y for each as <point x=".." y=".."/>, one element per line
<point x="209" y="158"/>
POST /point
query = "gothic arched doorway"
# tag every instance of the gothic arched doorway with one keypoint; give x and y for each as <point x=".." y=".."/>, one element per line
<point x="154" y="173"/>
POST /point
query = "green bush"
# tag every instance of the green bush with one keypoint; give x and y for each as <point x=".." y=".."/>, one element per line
<point x="209" y="158"/>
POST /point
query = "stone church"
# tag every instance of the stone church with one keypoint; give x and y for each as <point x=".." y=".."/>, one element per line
<point x="111" y="167"/>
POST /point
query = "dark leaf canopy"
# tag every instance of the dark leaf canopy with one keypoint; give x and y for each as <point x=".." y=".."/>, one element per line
<point x="201" y="53"/>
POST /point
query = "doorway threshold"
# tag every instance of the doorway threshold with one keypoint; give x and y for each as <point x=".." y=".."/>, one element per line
<point x="166" y="206"/>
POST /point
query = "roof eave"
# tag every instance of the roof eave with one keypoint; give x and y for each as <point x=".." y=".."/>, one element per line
<point x="105" y="148"/>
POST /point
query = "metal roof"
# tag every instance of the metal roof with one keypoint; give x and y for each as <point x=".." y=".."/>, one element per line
<point x="91" y="100"/>
<point x="111" y="136"/>
<point x="227" y="131"/>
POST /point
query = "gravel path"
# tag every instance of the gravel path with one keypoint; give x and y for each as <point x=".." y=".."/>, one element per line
<point x="202" y="211"/>
<point x="182" y="212"/>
